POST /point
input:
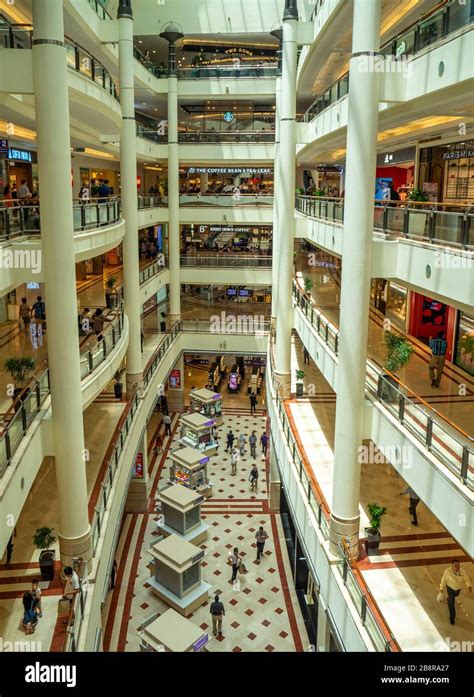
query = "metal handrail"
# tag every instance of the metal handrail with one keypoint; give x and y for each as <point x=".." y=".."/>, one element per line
<point x="22" y="218"/>
<point x="226" y="200"/>
<point x="393" y="48"/>
<point x="430" y="222"/>
<point x="234" y="136"/>
<point x="401" y="402"/>
<point x="28" y="404"/>
<point x="238" y="260"/>
<point x="212" y="72"/>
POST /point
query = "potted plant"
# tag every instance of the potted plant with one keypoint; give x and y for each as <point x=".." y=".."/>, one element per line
<point x="376" y="514"/>
<point x="21" y="369"/>
<point x="418" y="195"/>
<point x="118" y="384"/>
<point x="299" y="383"/>
<point x="43" y="539"/>
<point x="399" y="351"/>
<point x="308" y="284"/>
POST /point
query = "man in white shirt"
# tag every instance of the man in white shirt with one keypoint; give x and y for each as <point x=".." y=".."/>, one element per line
<point x="23" y="190"/>
<point x="453" y="579"/>
<point x="72" y="583"/>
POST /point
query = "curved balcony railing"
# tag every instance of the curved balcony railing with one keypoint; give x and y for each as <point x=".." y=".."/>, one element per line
<point x="434" y="223"/>
<point x="218" y="261"/>
<point x="152" y="269"/>
<point x="152" y="134"/>
<point x="78" y="59"/>
<point x="221" y="137"/>
<point x="149" y="201"/>
<point x="436" y="25"/>
<point x="99" y="9"/>
<point x="17" y="420"/>
<point x="366" y="606"/>
<point x="224" y="72"/>
<point x="26" y="219"/>
<point x="226" y="200"/>
<point x="447" y="442"/>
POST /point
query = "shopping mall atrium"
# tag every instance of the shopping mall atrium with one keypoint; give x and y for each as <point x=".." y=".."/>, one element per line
<point x="237" y="326"/>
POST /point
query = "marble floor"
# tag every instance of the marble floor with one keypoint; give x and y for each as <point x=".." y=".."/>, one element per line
<point x="404" y="577"/>
<point x="262" y="613"/>
<point x="449" y="399"/>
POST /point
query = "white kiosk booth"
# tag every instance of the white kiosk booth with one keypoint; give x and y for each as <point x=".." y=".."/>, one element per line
<point x="196" y="432"/>
<point x="189" y="468"/>
<point x="207" y="403"/>
<point x="181" y="509"/>
<point x="172" y="633"/>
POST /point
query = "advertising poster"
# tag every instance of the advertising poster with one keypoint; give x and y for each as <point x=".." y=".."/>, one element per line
<point x="138" y="469"/>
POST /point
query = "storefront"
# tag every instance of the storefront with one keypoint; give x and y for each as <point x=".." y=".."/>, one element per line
<point x="225" y="180"/>
<point x="16" y="165"/>
<point x="428" y="317"/>
<point x="391" y="300"/>
<point x="464" y="354"/>
<point x="329" y="180"/>
<point x="395" y="168"/>
<point x="446" y="172"/>
<point x="226" y="238"/>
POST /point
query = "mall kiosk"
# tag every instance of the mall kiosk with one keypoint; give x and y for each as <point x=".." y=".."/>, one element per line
<point x="196" y="431"/>
<point x="189" y="468"/>
<point x="171" y="633"/>
<point x="256" y="380"/>
<point x="207" y="403"/>
<point x="176" y="577"/>
<point x="181" y="514"/>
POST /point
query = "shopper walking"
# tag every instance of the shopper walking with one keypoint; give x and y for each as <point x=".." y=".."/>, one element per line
<point x="30" y="619"/>
<point x="453" y="579"/>
<point x="264" y="443"/>
<point x="158" y="445"/>
<point x="36" y="595"/>
<point x="253" y="444"/>
<point x="39" y="311"/>
<point x="217" y="611"/>
<point x="25" y="314"/>
<point x="234" y="460"/>
<point x="253" y="403"/>
<point x="305" y="355"/>
<point x="167" y="424"/>
<point x="261" y="536"/>
<point x="242" y="444"/>
<point x="230" y="440"/>
<point x="414" y="501"/>
<point x="98" y="321"/>
<point x="234" y="561"/>
<point x="438" y="356"/>
<point x="253" y="478"/>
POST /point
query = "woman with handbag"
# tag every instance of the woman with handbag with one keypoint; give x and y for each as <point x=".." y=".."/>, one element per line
<point x="234" y="561"/>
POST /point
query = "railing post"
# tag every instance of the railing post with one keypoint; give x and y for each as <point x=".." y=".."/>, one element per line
<point x="23" y="417"/>
<point x="406" y="221"/>
<point x="429" y="432"/>
<point x="464" y="464"/>
<point x="432" y="226"/>
<point x="83" y="216"/>
<point x="89" y="357"/>
<point x="38" y="395"/>
<point x="401" y="407"/>
<point x="379" y="388"/>
<point x="363" y="609"/>
<point x="385" y="220"/>
<point x="344" y="570"/>
<point x="464" y="230"/>
<point x="336" y="343"/>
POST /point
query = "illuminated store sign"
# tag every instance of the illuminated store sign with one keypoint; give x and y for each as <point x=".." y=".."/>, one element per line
<point x="23" y="155"/>
<point x="458" y="154"/>
<point x="229" y="170"/>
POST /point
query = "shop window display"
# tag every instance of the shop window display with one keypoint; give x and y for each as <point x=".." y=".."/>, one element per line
<point x="465" y="343"/>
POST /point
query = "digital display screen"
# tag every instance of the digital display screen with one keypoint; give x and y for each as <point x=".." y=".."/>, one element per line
<point x="233" y="381"/>
<point x="244" y="292"/>
<point x="231" y="291"/>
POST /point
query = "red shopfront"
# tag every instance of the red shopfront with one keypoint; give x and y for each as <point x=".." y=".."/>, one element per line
<point x="428" y="317"/>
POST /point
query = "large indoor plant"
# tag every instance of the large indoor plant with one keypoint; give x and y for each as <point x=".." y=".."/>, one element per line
<point x="299" y="383"/>
<point x="43" y="539"/>
<point x="376" y="514"/>
<point x="418" y="195"/>
<point x="399" y="351"/>
<point x="21" y="369"/>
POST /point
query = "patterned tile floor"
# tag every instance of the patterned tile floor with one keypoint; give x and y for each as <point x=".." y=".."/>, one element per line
<point x="262" y="612"/>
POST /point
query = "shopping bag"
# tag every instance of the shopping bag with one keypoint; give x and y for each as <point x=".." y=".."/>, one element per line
<point x="242" y="568"/>
<point x="63" y="606"/>
<point x="440" y="597"/>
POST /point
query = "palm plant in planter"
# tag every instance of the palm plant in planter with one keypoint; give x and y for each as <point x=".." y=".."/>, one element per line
<point x="118" y="384"/>
<point x="43" y="539"/>
<point x="21" y="369"/>
<point x="399" y="352"/>
<point x="299" y="383"/>
<point x="376" y="513"/>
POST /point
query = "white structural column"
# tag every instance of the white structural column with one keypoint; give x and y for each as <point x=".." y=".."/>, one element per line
<point x="276" y="187"/>
<point x="58" y="259"/>
<point x="286" y="195"/>
<point x="172" y="34"/>
<point x="356" y="265"/>
<point x="128" y="183"/>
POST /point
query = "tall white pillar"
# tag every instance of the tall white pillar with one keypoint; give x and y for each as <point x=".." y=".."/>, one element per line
<point x="356" y="265"/>
<point x="276" y="187"/>
<point x="286" y="198"/>
<point x="58" y="258"/>
<point x="172" y="34"/>
<point x="128" y="181"/>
